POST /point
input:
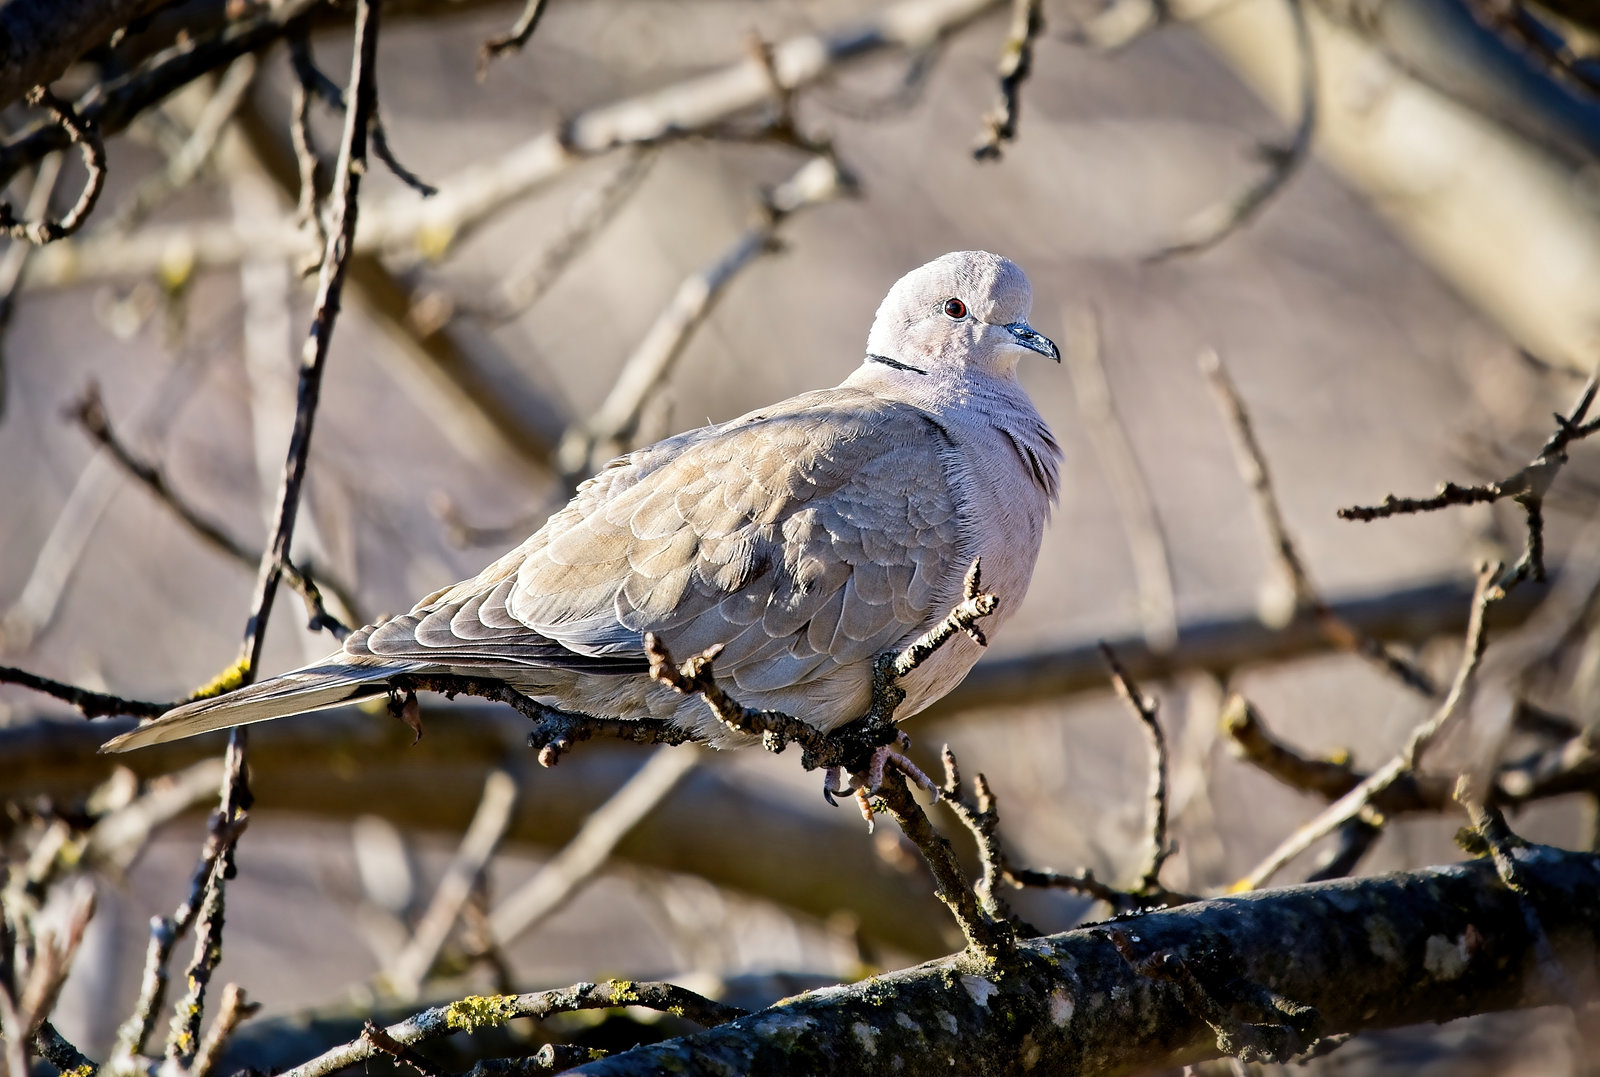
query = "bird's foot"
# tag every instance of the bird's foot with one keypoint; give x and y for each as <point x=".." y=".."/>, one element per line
<point x="883" y="757"/>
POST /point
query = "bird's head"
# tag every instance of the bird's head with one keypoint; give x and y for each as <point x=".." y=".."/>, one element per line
<point x="967" y="309"/>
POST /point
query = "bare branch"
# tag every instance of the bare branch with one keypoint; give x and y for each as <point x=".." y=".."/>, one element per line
<point x="1404" y="762"/>
<point x="1144" y="709"/>
<point x="1304" y="594"/>
<point x="513" y="39"/>
<point x="412" y="964"/>
<point x="1211" y="226"/>
<point x="92" y="704"/>
<point x="40" y="38"/>
<point x="79" y="132"/>
<point x="16" y="255"/>
<point x="1141" y="523"/>
<point x="342" y="228"/>
<point x="1528" y="487"/>
<point x="525" y="284"/>
<point x="1016" y="63"/>
<point x="694" y="106"/>
<point x="110" y="106"/>
<point x="581" y="858"/>
<point x="184" y="165"/>
<point x="477" y="1011"/>
<point x="90" y="413"/>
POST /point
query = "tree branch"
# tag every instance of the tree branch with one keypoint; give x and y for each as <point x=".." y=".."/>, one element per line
<point x="1077" y="1003"/>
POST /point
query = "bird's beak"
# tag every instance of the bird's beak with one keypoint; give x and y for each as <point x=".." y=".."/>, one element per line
<point x="1034" y="341"/>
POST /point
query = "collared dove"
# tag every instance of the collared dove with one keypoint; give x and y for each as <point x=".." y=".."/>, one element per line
<point x="806" y="538"/>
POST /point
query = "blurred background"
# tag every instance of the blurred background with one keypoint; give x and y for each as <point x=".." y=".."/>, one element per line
<point x="1405" y="303"/>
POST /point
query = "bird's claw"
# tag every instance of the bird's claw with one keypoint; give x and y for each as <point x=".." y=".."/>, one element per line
<point x="883" y="757"/>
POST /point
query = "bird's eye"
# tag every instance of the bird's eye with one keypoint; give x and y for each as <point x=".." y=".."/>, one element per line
<point x="955" y="308"/>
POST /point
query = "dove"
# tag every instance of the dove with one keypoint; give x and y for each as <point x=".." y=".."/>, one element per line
<point x="806" y="538"/>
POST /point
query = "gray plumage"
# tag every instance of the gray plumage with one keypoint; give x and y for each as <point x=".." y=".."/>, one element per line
<point x="806" y="538"/>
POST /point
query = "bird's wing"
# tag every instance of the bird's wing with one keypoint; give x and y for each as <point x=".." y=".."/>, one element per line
<point x="816" y="533"/>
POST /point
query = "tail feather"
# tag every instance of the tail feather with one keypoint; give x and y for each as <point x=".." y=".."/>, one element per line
<point x="310" y="689"/>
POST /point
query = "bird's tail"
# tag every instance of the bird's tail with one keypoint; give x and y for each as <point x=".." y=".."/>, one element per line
<point x="329" y="683"/>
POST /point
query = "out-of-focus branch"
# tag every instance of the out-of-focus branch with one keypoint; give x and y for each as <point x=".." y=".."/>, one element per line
<point x="468" y="198"/>
<point x="1147" y="541"/>
<point x="513" y="39"/>
<point x="479" y="398"/>
<point x="39" y="38"/>
<point x="182" y="167"/>
<point x="581" y="858"/>
<point x="1016" y="63"/>
<point x="1302" y="592"/>
<point x="526" y="283"/>
<point x="1432" y="78"/>
<point x="1404" y="762"/>
<point x="90" y="413"/>
<point x="344" y="763"/>
<point x="78" y="132"/>
<point x="110" y="106"/>
<point x="1220" y="646"/>
<point x="16" y="254"/>
<point x="610" y="428"/>
<point x="1211" y="226"/>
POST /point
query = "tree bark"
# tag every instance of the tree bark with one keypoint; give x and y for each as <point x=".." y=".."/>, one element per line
<point x="1394" y="950"/>
<point x="40" y="38"/>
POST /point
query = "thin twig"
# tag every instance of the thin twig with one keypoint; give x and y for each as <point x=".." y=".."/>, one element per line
<point x="1016" y="63"/>
<point x="1144" y="709"/>
<point x="413" y="963"/>
<point x="1130" y="490"/>
<point x="478" y="1011"/>
<point x="983" y="934"/>
<point x="342" y="228"/>
<point x="1528" y="487"/>
<point x="90" y="413"/>
<point x="1211" y="226"/>
<point x="80" y="132"/>
<point x="313" y="83"/>
<point x="513" y="39"/>
<point x="582" y="857"/>
<point x="695" y="107"/>
<point x="1404" y="762"/>
<point x="1302" y="591"/>
<point x="92" y="704"/>
<point x="302" y="138"/>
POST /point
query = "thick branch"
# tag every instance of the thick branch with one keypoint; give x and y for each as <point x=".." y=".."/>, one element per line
<point x="1453" y="943"/>
<point x="39" y="38"/>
